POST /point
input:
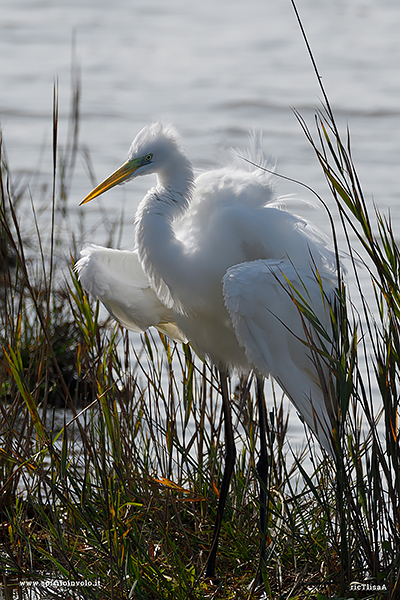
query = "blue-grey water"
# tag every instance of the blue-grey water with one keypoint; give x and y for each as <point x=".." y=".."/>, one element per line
<point x="214" y="68"/>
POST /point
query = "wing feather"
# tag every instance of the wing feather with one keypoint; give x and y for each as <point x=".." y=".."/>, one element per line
<point x="117" y="279"/>
<point x="259" y="297"/>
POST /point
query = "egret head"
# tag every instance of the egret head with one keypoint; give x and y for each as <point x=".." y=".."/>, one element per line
<point x="155" y="149"/>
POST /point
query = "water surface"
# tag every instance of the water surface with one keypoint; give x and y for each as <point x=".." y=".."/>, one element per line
<point x="214" y="69"/>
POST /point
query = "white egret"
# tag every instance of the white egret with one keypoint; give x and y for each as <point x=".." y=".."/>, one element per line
<point x="217" y="262"/>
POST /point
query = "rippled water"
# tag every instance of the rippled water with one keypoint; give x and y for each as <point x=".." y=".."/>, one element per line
<point x="216" y="69"/>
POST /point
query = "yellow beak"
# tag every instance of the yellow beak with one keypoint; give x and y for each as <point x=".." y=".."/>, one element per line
<point x="119" y="176"/>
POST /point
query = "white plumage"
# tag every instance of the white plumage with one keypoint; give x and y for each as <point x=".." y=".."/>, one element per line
<point x="268" y="324"/>
<point x="217" y="262"/>
<point x="118" y="280"/>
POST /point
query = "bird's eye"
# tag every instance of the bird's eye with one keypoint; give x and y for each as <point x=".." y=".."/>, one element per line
<point x="148" y="157"/>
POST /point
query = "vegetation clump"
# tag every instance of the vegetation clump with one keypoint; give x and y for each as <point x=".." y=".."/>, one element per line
<point x="110" y="450"/>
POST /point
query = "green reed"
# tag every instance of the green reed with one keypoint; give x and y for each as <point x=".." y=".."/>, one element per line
<point x="111" y="451"/>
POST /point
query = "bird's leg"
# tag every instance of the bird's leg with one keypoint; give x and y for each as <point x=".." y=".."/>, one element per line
<point x="230" y="457"/>
<point x="263" y="472"/>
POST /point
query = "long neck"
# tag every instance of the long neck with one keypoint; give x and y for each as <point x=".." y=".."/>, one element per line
<point x="177" y="179"/>
<point x="161" y="254"/>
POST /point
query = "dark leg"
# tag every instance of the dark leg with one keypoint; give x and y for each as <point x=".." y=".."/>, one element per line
<point x="230" y="456"/>
<point x="263" y="472"/>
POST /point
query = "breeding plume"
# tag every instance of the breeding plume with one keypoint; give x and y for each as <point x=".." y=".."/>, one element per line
<point x="220" y="263"/>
